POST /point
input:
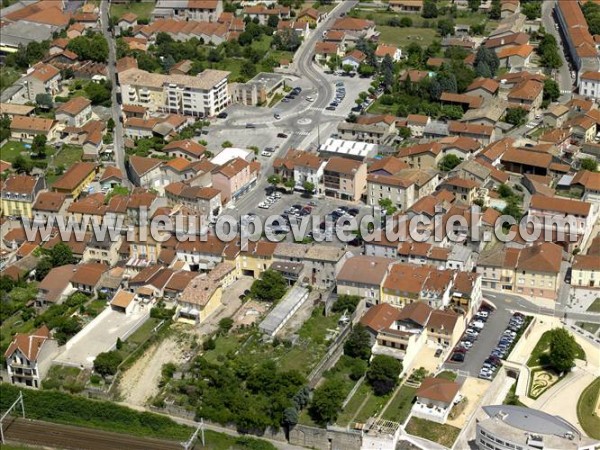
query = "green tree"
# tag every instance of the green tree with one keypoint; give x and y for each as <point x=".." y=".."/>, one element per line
<point x="505" y="191"/>
<point x="38" y="146"/>
<point x="107" y="363"/>
<point x="274" y="180"/>
<point x="22" y="165"/>
<point x="60" y="255"/>
<point x="563" y="350"/>
<point x="225" y="324"/>
<point x="98" y="93"/>
<point x="388" y="206"/>
<point x="383" y="374"/>
<point x="110" y="125"/>
<point x="119" y="344"/>
<point x="44" y="100"/>
<point x="308" y="187"/>
<point x="290" y="417"/>
<point x="489" y="58"/>
<point x="42" y="268"/>
<point x="273" y="21"/>
<point x="347" y="68"/>
<point x="327" y="401"/>
<point x="589" y="164"/>
<point x="358" y="344"/>
<point x="474" y="5"/>
<point x="449" y="162"/>
<point x="387" y="72"/>
<point x="226" y="144"/>
<point x="551" y="90"/>
<point x="289" y="183"/>
<point x="445" y="27"/>
<point x="270" y="287"/>
<point x="346" y="303"/>
<point x="516" y="116"/>
<point x="365" y="70"/>
<point x="404" y="132"/>
<point x="532" y="9"/>
<point x="406" y="22"/>
<point x="430" y="10"/>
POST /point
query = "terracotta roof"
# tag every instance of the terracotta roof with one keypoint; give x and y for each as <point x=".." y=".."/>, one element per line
<point x="525" y="157"/>
<point x="544" y="257"/>
<point x="443" y="320"/>
<point x="29" y="345"/>
<point x="298" y="158"/>
<point x="390" y="165"/>
<point x="74" y="106"/>
<point x="111" y="172"/>
<point x="589" y="180"/>
<point x="128" y="17"/>
<point x="511" y="39"/>
<point x="88" y="274"/>
<point x="526" y="90"/>
<point x="15" y="109"/>
<point x="343" y="165"/>
<point x="594" y="76"/>
<point x="122" y="299"/>
<point x="187" y="146"/>
<point x="142" y="166"/>
<point x="417" y="119"/>
<point x="91" y="205"/>
<point x="486" y="84"/>
<point x="362" y="269"/>
<point x="560" y="205"/>
<point x="352" y="24"/>
<point x="429" y="147"/>
<point x="233" y="167"/>
<point x="470" y="100"/>
<point x="44" y="72"/>
<point x="357" y="55"/>
<point x="438" y="389"/>
<point x="126" y="63"/>
<point x="36" y="124"/>
<point x="56" y="282"/>
<point x="20" y="184"/>
<point x="180" y="280"/>
<point x="417" y="312"/>
<point x="379" y="317"/>
<point x="459" y="127"/>
<point x="586" y="262"/>
<point x="414" y="75"/>
<point x="74" y="176"/>
<point x="522" y="50"/>
<point x="326" y="48"/>
<point x="383" y="50"/>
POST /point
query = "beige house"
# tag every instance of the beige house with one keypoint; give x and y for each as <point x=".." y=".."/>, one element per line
<point x="75" y="113"/>
<point x="363" y="276"/>
<point x="235" y="178"/>
<point x="23" y="128"/>
<point x="345" y="179"/>
<point x="586" y="271"/>
<point x="41" y="79"/>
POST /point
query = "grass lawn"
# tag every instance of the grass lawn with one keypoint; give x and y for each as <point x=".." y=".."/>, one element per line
<point x="142" y="9"/>
<point x="378" y="108"/>
<point x="403" y="37"/>
<point x="538" y="355"/>
<point x="11" y="150"/>
<point x="372" y="407"/>
<point x="399" y="408"/>
<point x="586" y="410"/>
<point x="71" y="379"/>
<point x="511" y="398"/>
<point x="447" y="375"/>
<point x="220" y="441"/>
<point x="67" y="156"/>
<point x="442" y="434"/>
<point x="353" y="405"/>
<point x="223" y="345"/>
<point x="595" y="306"/>
<point x="589" y="327"/>
<point x="8" y="76"/>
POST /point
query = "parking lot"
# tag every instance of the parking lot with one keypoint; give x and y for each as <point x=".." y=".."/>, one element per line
<point x="483" y="346"/>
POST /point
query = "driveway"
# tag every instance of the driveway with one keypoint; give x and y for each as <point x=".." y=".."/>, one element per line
<point x="101" y="335"/>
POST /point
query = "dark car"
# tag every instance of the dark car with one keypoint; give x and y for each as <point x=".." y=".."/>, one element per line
<point x="222" y="115"/>
<point x="282" y="135"/>
<point x="354" y="211"/>
<point x="357" y="108"/>
<point x="250" y="125"/>
<point x="457" y="357"/>
<point x="330" y="108"/>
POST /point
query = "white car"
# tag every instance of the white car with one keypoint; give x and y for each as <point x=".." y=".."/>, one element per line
<point x="310" y="99"/>
<point x="267" y="154"/>
<point x="477" y="324"/>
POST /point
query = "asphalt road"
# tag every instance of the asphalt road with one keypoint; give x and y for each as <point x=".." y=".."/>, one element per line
<point x="118" y="140"/>
<point x="68" y="437"/>
<point x="563" y="76"/>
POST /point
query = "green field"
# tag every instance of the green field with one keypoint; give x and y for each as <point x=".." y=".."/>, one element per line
<point x="399" y="408"/>
<point x="8" y="76"/>
<point x="142" y="9"/>
<point x="442" y="434"/>
<point x="540" y="350"/>
<point x="11" y="150"/>
<point x="403" y="37"/>
<point x="595" y="306"/>
<point x="67" y="155"/>
<point x="586" y="410"/>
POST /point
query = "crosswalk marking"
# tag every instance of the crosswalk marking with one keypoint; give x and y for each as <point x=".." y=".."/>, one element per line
<point x="566" y="92"/>
<point x="301" y="133"/>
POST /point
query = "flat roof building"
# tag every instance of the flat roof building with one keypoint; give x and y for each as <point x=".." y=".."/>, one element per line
<point x="284" y="310"/>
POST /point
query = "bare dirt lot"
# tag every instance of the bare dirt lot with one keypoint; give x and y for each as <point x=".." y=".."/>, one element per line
<point x="140" y="382"/>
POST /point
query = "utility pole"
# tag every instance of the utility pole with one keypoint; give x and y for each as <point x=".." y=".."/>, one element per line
<point x="189" y="444"/>
<point x="16" y="402"/>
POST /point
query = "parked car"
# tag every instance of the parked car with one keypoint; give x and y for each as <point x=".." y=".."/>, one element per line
<point x="222" y="115"/>
<point x="282" y="135"/>
<point x="457" y="357"/>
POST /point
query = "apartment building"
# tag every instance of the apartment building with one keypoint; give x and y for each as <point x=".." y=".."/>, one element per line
<point x="19" y="193"/>
<point x="204" y="10"/>
<point x="75" y="113"/>
<point x="302" y="167"/>
<point x="345" y="179"/>
<point x="590" y="85"/>
<point x="552" y="211"/>
<point x="205" y="94"/>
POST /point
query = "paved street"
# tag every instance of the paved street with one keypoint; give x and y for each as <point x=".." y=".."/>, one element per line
<point x="119" y="147"/>
<point x="563" y="77"/>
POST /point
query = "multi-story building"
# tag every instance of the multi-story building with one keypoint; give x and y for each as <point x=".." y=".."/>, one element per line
<point x="533" y="271"/>
<point x="590" y="84"/>
<point x="205" y="201"/>
<point x="19" y="193"/>
<point x="75" y="179"/>
<point x="345" y="179"/>
<point x="29" y="356"/>
<point x="586" y="271"/>
<point x="203" y="10"/>
<point x="23" y="128"/>
<point x="41" y="79"/>
<point x="302" y="167"/>
<point x="205" y="94"/>
<point x="234" y="178"/>
<point x="510" y="427"/>
<point x="75" y="113"/>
